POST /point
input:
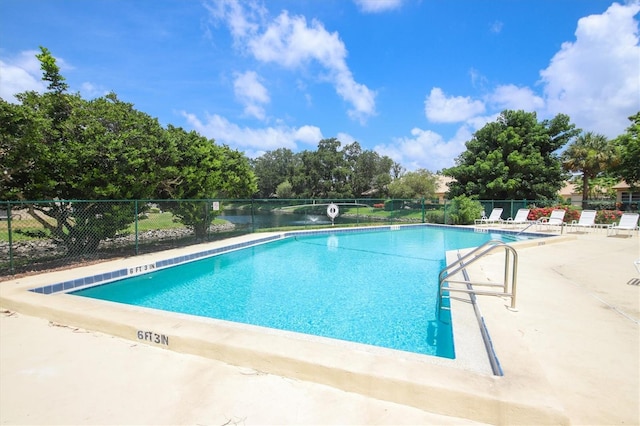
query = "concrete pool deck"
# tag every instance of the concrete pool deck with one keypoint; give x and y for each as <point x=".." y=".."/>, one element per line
<point x="572" y="350"/>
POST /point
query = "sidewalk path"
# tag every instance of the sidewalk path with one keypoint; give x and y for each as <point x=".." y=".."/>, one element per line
<point x="578" y="318"/>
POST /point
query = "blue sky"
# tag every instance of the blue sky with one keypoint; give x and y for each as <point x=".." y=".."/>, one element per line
<point x="411" y="79"/>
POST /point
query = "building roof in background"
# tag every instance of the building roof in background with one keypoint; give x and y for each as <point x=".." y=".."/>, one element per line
<point x="568" y="189"/>
<point x="621" y="185"/>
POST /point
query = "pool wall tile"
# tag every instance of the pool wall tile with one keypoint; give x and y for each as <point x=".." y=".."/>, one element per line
<point x="120" y="273"/>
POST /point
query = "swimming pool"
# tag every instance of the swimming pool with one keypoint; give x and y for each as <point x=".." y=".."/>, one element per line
<point x="373" y="287"/>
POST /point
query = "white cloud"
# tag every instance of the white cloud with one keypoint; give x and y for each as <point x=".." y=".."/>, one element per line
<point x="426" y="149"/>
<point x="251" y="140"/>
<point x="292" y="42"/>
<point x="377" y="6"/>
<point x="20" y="74"/>
<point x="310" y="135"/>
<point x="23" y="73"/>
<point x="250" y="91"/>
<point x="90" y="90"/>
<point x="595" y="80"/>
<point x="478" y="122"/>
<point x="442" y="109"/>
<point x="510" y="96"/>
<point x="242" y="19"/>
<point x="496" y="27"/>
<point x="345" y="138"/>
<point x="477" y="79"/>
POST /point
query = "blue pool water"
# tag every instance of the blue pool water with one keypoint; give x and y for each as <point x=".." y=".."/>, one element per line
<point x="377" y="287"/>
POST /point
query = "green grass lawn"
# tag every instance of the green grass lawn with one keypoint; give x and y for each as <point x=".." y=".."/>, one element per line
<point x="23" y="229"/>
<point x="164" y="220"/>
<point x="18" y="228"/>
<point x="381" y="213"/>
<point x="151" y="221"/>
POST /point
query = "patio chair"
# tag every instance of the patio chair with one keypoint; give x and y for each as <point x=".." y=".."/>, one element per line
<point x="556" y="219"/>
<point x="587" y="220"/>
<point x="494" y="217"/>
<point x="522" y="217"/>
<point x="628" y="222"/>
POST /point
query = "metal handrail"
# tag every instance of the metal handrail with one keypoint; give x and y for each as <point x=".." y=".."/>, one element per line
<point x="477" y="253"/>
<point x="527" y="227"/>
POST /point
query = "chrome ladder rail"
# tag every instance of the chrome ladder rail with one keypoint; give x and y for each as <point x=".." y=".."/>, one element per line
<point x="475" y="255"/>
<point x="529" y="225"/>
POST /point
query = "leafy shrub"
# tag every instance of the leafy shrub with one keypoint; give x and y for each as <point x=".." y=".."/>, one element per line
<point x="464" y="210"/>
<point x="284" y="190"/>
<point x="434" y="216"/>
<point x="600" y="204"/>
<point x="539" y="212"/>
<point x="608" y="216"/>
<point x="392" y="205"/>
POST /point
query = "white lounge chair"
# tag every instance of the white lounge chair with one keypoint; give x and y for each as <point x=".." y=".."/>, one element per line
<point x="587" y="220"/>
<point x="522" y="217"/>
<point x="556" y="219"/>
<point x="494" y="217"/>
<point x="628" y="222"/>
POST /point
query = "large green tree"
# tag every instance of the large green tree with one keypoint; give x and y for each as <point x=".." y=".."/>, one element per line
<point x="514" y="157"/>
<point x="418" y="184"/>
<point x="326" y="170"/>
<point x="589" y="154"/>
<point x="32" y="135"/>
<point x="368" y="170"/>
<point x="58" y="146"/>
<point x="19" y="140"/>
<point x="330" y="171"/>
<point x="102" y="150"/>
<point x="200" y="169"/>
<point x="628" y="144"/>
<point x="273" y="168"/>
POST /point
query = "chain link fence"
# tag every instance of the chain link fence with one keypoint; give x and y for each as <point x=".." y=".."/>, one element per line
<point x="44" y="235"/>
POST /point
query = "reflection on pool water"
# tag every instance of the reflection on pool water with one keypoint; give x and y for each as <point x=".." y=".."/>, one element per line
<point x="372" y="287"/>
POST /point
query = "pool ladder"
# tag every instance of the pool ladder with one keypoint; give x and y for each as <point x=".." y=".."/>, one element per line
<point x="508" y="286"/>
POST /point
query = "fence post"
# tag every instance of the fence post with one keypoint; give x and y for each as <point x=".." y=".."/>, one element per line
<point x="207" y="205"/>
<point x="253" y="219"/>
<point x="423" y="212"/>
<point x="135" y="202"/>
<point x="393" y="209"/>
<point x="11" y="265"/>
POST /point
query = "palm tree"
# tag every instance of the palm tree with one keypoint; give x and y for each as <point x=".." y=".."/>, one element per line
<point x="590" y="154"/>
